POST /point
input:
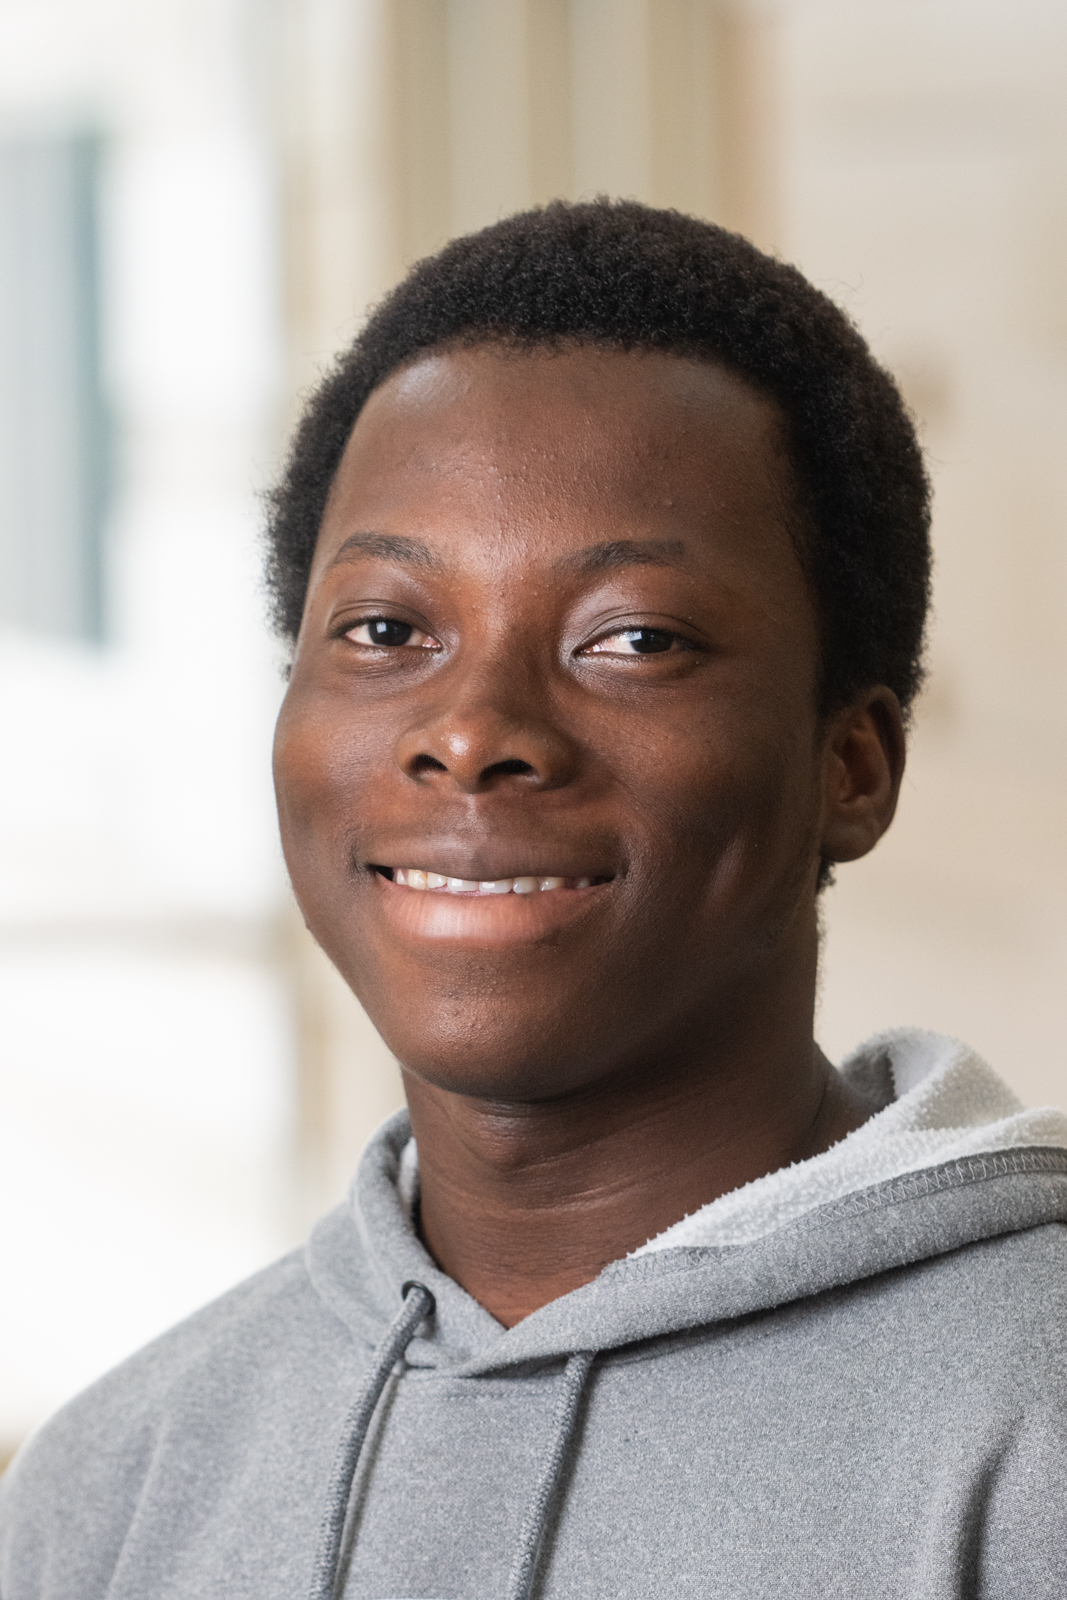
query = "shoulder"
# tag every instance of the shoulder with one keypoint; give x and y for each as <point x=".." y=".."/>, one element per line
<point x="253" y="1324"/>
<point x="978" y="1332"/>
<point x="74" y="1486"/>
<point x="1014" y="1291"/>
<point x="1016" y="1280"/>
<point x="1011" y="1285"/>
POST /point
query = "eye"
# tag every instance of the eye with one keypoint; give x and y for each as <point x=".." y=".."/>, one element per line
<point x="637" y="642"/>
<point x="389" y="631"/>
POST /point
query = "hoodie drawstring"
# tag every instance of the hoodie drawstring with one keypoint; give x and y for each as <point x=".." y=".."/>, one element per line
<point x="418" y="1304"/>
<point x="523" y="1571"/>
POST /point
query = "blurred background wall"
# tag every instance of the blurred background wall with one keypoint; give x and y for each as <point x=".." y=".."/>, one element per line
<point x="198" y="201"/>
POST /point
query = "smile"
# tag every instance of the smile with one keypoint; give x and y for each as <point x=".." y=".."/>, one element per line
<point x="518" y="910"/>
<point x="416" y="878"/>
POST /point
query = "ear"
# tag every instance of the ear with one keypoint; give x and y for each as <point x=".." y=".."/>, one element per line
<point x="862" y="768"/>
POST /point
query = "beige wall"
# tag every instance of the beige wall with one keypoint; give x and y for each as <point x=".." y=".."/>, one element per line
<point x="408" y="121"/>
<point x="910" y="158"/>
<point x="922" y="184"/>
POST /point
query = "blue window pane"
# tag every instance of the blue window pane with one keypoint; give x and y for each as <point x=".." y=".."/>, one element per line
<point x="54" y="438"/>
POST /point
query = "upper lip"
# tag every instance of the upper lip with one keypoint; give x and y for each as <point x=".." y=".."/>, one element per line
<point x="492" y="862"/>
<point x="480" y="874"/>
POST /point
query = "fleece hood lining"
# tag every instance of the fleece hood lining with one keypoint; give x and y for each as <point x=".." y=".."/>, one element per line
<point x="947" y="1104"/>
<point x="940" y="1103"/>
<point x="951" y="1161"/>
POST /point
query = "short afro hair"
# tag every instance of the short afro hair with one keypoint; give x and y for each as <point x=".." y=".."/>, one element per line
<point x="623" y="275"/>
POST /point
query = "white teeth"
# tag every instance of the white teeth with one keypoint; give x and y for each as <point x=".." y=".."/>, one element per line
<point x="416" y="878"/>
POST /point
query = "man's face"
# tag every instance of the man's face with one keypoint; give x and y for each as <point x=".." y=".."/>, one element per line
<point x="556" y="629"/>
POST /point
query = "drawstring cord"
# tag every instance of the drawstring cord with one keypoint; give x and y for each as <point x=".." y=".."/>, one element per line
<point x="521" y="1577"/>
<point x="418" y="1304"/>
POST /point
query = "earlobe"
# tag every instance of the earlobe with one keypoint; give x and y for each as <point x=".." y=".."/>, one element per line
<point x="862" y="769"/>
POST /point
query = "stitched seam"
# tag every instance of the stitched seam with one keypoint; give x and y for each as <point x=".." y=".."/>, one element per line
<point x="1033" y="1160"/>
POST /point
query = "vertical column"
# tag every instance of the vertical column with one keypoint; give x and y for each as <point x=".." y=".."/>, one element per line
<point x="551" y="113"/>
<point x="675" y="102"/>
<point x="483" y="109"/>
<point x="342" y="221"/>
<point x="417" y="72"/>
<point x="686" y="134"/>
<point x="489" y="102"/>
<point x="611" y="103"/>
<point x="747" y="46"/>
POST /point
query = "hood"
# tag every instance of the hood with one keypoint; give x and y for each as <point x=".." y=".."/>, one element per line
<point x="951" y="1159"/>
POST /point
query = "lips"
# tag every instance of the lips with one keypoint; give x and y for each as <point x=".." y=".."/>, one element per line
<point x="520" y="909"/>
<point x="524" y="883"/>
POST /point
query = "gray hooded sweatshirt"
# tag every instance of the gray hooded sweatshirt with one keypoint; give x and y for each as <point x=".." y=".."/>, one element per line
<point x="845" y="1379"/>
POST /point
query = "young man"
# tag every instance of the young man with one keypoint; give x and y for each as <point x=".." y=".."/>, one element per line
<point x="604" y="555"/>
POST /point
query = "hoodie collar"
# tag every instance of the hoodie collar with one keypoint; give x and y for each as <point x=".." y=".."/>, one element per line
<point x="951" y="1159"/>
<point x="940" y="1103"/>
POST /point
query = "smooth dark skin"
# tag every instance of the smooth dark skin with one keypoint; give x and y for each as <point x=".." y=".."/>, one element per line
<point x="576" y="1088"/>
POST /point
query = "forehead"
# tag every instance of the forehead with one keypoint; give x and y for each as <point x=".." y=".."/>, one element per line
<point x="490" y="448"/>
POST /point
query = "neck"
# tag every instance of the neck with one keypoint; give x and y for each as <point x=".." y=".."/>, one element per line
<point x="524" y="1201"/>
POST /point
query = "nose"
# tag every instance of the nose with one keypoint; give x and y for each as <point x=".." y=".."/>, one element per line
<point x="487" y="741"/>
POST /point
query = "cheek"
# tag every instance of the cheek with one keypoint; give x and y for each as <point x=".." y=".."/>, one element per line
<point x="773" y="850"/>
<point x="737" y="801"/>
<point x="317" y="770"/>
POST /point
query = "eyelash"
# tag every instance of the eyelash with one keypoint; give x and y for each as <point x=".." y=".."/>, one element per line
<point x="389" y="644"/>
<point x="674" y="643"/>
<point x="632" y="634"/>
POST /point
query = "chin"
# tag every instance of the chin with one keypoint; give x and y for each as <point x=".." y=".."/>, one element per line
<point x="495" y="1057"/>
<point x="471" y="1039"/>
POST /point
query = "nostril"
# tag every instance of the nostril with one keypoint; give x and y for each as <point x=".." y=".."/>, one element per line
<point x="510" y="768"/>
<point x="464" y="769"/>
<point x="425" y="763"/>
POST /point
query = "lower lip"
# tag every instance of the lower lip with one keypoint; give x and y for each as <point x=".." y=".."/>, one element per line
<point x="485" y="919"/>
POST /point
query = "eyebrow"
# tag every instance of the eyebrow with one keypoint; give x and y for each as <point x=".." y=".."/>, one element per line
<point x="627" y="553"/>
<point x="387" y="547"/>
<point x="601" y="557"/>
